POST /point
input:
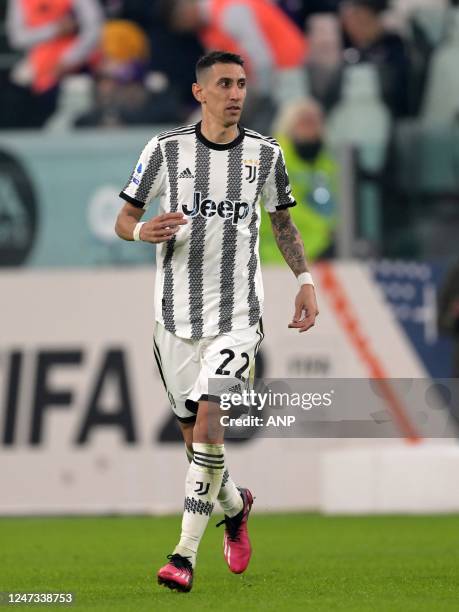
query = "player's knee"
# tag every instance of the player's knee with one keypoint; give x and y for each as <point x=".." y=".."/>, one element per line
<point x="207" y="428"/>
<point x="203" y="436"/>
<point x="205" y="433"/>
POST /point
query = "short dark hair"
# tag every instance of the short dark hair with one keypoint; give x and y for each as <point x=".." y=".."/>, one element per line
<point x="165" y="11"/>
<point x="377" y="6"/>
<point x="217" y="57"/>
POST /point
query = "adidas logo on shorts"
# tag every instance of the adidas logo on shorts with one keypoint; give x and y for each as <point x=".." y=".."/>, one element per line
<point x="186" y="174"/>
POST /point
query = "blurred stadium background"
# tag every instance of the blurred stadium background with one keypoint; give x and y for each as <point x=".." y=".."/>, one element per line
<point x="368" y="116"/>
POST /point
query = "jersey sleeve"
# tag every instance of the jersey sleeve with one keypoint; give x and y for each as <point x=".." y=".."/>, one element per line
<point x="277" y="193"/>
<point x="148" y="177"/>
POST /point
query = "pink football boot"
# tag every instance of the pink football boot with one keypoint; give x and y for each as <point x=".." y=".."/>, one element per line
<point x="236" y="543"/>
<point x="177" y="574"/>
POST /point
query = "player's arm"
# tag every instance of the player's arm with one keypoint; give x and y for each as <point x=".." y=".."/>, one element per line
<point x="159" y="229"/>
<point x="145" y="183"/>
<point x="291" y="246"/>
<point x="288" y="240"/>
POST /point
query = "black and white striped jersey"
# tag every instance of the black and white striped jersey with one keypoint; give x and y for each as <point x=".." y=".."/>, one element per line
<point x="208" y="278"/>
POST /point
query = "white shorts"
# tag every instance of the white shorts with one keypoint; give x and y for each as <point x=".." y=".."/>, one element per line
<point x="187" y="365"/>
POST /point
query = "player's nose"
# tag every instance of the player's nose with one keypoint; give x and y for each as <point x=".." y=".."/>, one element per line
<point x="236" y="93"/>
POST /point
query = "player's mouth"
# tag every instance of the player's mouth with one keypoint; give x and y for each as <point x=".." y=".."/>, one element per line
<point x="234" y="108"/>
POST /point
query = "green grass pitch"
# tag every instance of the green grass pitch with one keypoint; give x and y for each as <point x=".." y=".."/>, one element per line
<point x="300" y="562"/>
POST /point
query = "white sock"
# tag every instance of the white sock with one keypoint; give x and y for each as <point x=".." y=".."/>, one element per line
<point x="203" y="482"/>
<point x="229" y="497"/>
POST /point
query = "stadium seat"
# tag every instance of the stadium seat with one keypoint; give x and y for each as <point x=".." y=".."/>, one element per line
<point x="291" y="84"/>
<point x="441" y="104"/>
<point x="75" y="98"/>
<point x="361" y="118"/>
<point x="424" y="180"/>
<point x="432" y="21"/>
<point x="402" y="11"/>
<point x="427" y="158"/>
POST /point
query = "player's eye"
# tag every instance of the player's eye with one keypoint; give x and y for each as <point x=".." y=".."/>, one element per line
<point x="241" y="84"/>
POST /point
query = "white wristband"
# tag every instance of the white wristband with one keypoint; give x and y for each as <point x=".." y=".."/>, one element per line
<point x="305" y="279"/>
<point x="136" y="233"/>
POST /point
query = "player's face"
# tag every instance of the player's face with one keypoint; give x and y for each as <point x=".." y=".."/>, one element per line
<point x="223" y="93"/>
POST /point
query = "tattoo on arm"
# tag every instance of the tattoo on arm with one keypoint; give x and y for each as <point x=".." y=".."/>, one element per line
<point x="289" y="241"/>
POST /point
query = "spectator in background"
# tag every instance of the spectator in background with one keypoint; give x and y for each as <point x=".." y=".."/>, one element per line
<point x="324" y="66"/>
<point x="60" y="36"/>
<point x="367" y="41"/>
<point x="141" y="12"/>
<point x="274" y="48"/>
<point x="120" y="95"/>
<point x="313" y="174"/>
<point x="173" y="53"/>
<point x="301" y="10"/>
<point x="448" y="312"/>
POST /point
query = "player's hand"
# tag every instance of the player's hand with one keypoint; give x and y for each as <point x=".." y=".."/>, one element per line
<point x="162" y="228"/>
<point x="306" y="309"/>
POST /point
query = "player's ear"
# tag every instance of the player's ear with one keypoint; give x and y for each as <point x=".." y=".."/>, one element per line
<point x="197" y="90"/>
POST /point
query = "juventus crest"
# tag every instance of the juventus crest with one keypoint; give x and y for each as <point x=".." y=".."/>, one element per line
<point x="203" y="488"/>
<point x="252" y="171"/>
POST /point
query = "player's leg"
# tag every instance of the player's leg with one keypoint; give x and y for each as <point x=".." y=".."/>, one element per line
<point x="236" y="502"/>
<point x="229" y="496"/>
<point x="187" y="433"/>
<point x="203" y="481"/>
<point x="178" y="364"/>
<point x="205" y="474"/>
<point x="232" y="356"/>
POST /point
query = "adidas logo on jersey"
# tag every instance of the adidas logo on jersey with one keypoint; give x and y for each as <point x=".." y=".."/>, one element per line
<point x="186" y="174"/>
<point x="236" y="211"/>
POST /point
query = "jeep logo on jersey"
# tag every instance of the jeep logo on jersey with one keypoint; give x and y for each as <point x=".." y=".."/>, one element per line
<point x="227" y="209"/>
